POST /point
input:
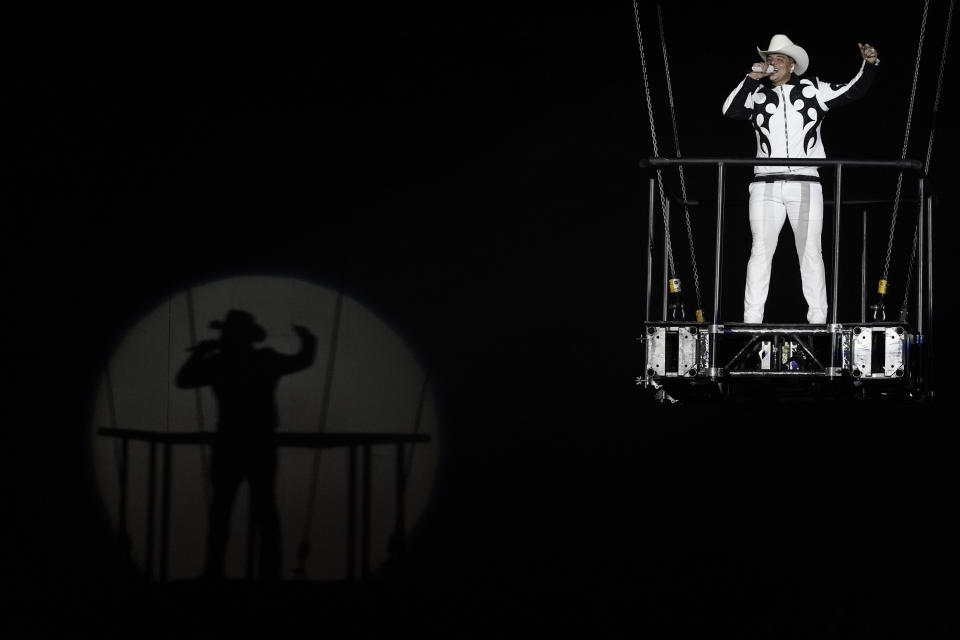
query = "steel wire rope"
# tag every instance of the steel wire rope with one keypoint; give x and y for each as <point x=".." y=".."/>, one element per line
<point x="683" y="184"/>
<point x="926" y="164"/>
<point x="303" y="551"/>
<point x="655" y="146"/>
<point x="878" y="308"/>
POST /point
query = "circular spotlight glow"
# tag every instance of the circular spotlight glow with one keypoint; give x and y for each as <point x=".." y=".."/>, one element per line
<point x="365" y="379"/>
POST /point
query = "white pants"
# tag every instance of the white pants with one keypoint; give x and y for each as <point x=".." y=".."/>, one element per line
<point x="770" y="204"/>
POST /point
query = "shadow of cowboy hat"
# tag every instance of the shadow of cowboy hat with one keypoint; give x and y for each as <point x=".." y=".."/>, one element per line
<point x="782" y="44"/>
<point x="239" y="324"/>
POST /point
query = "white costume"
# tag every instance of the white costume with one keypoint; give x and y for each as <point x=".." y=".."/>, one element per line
<point x="786" y="120"/>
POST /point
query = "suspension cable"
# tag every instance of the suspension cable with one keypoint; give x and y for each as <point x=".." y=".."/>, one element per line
<point x="683" y="184"/>
<point x="303" y="551"/>
<point x="882" y="285"/>
<point x="653" y="138"/>
<point x="926" y="164"/>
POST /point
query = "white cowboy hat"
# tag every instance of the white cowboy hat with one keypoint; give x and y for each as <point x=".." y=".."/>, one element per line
<point x="782" y="44"/>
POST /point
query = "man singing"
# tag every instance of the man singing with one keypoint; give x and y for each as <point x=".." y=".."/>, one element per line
<point x="786" y="113"/>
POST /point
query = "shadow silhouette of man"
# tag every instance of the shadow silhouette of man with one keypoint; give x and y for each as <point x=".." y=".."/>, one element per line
<point x="244" y="379"/>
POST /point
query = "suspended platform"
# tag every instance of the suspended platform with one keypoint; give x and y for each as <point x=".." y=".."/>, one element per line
<point x="865" y="357"/>
<point x="880" y="357"/>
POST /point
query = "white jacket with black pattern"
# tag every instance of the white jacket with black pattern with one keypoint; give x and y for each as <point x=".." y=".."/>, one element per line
<point x="787" y="119"/>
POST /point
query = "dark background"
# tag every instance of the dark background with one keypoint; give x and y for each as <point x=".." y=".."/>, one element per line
<point x="472" y="174"/>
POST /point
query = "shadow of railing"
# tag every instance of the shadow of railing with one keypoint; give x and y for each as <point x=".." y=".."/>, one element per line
<point x="359" y="451"/>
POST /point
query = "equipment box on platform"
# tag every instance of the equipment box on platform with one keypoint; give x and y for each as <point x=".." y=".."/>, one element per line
<point x="677" y="350"/>
<point x="878" y="352"/>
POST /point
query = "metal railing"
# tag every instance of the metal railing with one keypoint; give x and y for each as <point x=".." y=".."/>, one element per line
<point x="924" y="296"/>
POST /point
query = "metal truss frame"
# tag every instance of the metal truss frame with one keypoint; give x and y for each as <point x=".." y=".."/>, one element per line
<point x="862" y="352"/>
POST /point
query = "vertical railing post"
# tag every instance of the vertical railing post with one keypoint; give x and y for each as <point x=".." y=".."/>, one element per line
<point x="717" y="269"/>
<point x="124" y="482"/>
<point x="666" y="249"/>
<point x="929" y="391"/>
<point x="836" y="243"/>
<point x="251" y="539"/>
<point x="400" y="524"/>
<point x="921" y="250"/>
<point x="365" y="523"/>
<point x="165" y="510"/>
<point x="352" y="513"/>
<point x="863" y="270"/>
<point x="151" y="506"/>
<point x="718" y="249"/>
<point x="921" y="246"/>
<point x="837" y="188"/>
<point x="929" y="247"/>
<point x="646" y="313"/>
